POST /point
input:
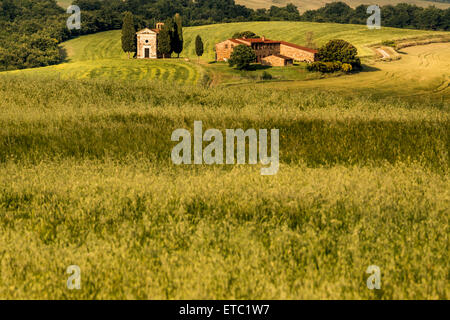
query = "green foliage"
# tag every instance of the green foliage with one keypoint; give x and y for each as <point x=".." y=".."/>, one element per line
<point x="388" y="43"/>
<point x="30" y="33"/>
<point x="128" y="34"/>
<point x="199" y="49"/>
<point x="245" y="34"/>
<point x="164" y="40"/>
<point x="241" y="57"/>
<point x="325" y="67"/>
<point x="177" y="42"/>
<point x="339" y="50"/>
<point x="346" y="67"/>
<point x="402" y="15"/>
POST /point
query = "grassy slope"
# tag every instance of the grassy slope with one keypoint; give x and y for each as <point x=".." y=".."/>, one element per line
<point x="295" y="32"/>
<point x="100" y="56"/>
<point x="64" y="3"/>
<point x="315" y="4"/>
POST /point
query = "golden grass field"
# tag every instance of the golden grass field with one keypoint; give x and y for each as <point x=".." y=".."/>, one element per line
<point x="87" y="178"/>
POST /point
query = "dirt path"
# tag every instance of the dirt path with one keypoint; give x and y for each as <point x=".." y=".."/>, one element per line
<point x="384" y="54"/>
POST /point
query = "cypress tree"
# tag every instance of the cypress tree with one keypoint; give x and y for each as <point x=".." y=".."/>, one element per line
<point x="199" y="49"/>
<point x="128" y="34"/>
<point x="178" y="35"/>
<point x="164" y="42"/>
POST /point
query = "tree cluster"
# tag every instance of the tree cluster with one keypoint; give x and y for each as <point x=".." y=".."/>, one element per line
<point x="170" y="38"/>
<point x="336" y="55"/>
<point x="245" y="34"/>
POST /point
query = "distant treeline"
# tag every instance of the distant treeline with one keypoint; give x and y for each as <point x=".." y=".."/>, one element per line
<point x="400" y="16"/>
<point x="30" y="30"/>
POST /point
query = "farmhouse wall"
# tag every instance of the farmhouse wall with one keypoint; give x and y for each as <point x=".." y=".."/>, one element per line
<point x="276" y="61"/>
<point x="263" y="50"/>
<point x="224" y="50"/>
<point x="297" y="53"/>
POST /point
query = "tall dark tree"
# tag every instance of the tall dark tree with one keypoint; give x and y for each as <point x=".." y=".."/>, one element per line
<point x="199" y="48"/>
<point x="128" y="34"/>
<point x="169" y="24"/>
<point x="177" y="41"/>
<point x="164" y="42"/>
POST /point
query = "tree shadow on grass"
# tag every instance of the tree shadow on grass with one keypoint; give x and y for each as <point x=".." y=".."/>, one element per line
<point x="63" y="54"/>
<point x="255" y="67"/>
<point x="367" y="68"/>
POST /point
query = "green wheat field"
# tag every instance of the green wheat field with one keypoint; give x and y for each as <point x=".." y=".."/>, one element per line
<point x="87" y="179"/>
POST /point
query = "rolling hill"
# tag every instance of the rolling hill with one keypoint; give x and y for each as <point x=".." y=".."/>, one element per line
<point x="295" y="32"/>
<point x="100" y="55"/>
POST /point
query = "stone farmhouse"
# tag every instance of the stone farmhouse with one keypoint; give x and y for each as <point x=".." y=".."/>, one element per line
<point x="147" y="42"/>
<point x="268" y="52"/>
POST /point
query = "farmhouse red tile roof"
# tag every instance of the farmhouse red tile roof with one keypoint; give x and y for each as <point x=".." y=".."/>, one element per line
<point x="235" y="41"/>
<point x="298" y="47"/>
<point x="260" y="40"/>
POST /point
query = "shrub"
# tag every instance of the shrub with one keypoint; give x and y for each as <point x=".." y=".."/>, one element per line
<point x="388" y="43"/>
<point x="325" y="67"/>
<point x="346" y="67"/>
<point x="245" y="34"/>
